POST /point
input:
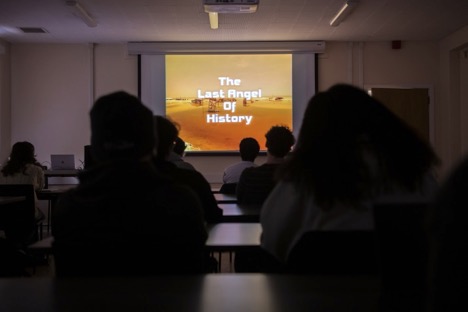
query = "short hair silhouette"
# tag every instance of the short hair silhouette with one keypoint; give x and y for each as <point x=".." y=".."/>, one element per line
<point x="279" y="140"/>
<point x="121" y="127"/>
<point x="167" y="133"/>
<point x="249" y="149"/>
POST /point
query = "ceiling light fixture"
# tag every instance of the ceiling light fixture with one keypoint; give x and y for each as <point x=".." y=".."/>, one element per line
<point x="213" y="20"/>
<point x="343" y="12"/>
<point x="230" y="6"/>
<point x="81" y="12"/>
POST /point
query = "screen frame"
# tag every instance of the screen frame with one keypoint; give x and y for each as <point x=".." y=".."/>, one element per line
<point x="151" y="83"/>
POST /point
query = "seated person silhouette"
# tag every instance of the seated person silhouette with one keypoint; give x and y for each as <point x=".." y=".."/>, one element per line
<point x="167" y="132"/>
<point x="352" y="153"/>
<point x="249" y="149"/>
<point x="124" y="218"/>
<point x="177" y="153"/>
<point x="255" y="183"/>
<point x="448" y="234"/>
<point x="23" y="168"/>
<point x="21" y="175"/>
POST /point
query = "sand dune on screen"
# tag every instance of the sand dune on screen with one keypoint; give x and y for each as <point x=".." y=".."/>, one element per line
<point x="205" y="136"/>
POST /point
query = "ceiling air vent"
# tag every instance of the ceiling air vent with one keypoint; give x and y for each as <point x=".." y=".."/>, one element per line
<point x="33" y="30"/>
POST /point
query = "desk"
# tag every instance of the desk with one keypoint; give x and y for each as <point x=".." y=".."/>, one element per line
<point x="240" y="213"/>
<point x="202" y="293"/>
<point x="59" y="173"/>
<point x="221" y="237"/>
<point x="52" y="194"/>
<point x="233" y="236"/>
<point x="54" y="191"/>
<point x="225" y="198"/>
<point x="42" y="246"/>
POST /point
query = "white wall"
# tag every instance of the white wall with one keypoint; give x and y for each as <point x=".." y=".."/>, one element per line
<point x="115" y="70"/>
<point x="53" y="87"/>
<point x="376" y="63"/>
<point x="333" y="65"/>
<point x="450" y="124"/>
<point x="50" y="97"/>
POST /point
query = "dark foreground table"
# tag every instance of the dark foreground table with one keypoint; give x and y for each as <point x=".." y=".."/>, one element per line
<point x="233" y="212"/>
<point x="209" y="293"/>
<point x="225" y="198"/>
<point x="221" y="237"/>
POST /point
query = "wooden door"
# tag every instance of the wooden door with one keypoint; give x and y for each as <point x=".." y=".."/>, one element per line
<point x="411" y="105"/>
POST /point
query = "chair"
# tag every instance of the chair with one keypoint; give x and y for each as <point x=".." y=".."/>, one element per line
<point x="228" y="188"/>
<point x="403" y="254"/>
<point x="13" y="262"/>
<point x="91" y="258"/>
<point x="334" y="253"/>
<point x="18" y="219"/>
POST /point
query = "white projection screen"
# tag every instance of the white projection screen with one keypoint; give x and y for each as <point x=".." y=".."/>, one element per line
<point x="219" y="98"/>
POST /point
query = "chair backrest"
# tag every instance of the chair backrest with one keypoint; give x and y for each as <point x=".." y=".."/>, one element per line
<point x="334" y="252"/>
<point x="228" y="188"/>
<point x="17" y="219"/>
<point x="84" y="259"/>
<point x="89" y="160"/>
<point x="403" y="252"/>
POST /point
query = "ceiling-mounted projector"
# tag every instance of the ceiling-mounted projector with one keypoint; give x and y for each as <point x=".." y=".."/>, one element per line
<point x="230" y="6"/>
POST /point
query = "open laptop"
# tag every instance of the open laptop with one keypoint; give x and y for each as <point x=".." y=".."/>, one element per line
<point x="62" y="162"/>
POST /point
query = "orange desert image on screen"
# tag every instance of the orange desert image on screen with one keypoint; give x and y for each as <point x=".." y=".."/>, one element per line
<point x="219" y="99"/>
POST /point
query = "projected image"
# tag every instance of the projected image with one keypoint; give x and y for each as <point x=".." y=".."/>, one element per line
<point x="219" y="99"/>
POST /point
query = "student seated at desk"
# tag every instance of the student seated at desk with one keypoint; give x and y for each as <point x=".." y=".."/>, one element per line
<point x="125" y="218"/>
<point x="21" y="176"/>
<point x="249" y="149"/>
<point x="255" y="183"/>
<point x="352" y="153"/>
<point x="167" y="133"/>
<point x="23" y="168"/>
<point x="177" y="153"/>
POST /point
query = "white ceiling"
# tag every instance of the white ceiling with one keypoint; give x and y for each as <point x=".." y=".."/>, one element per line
<point x="121" y="21"/>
